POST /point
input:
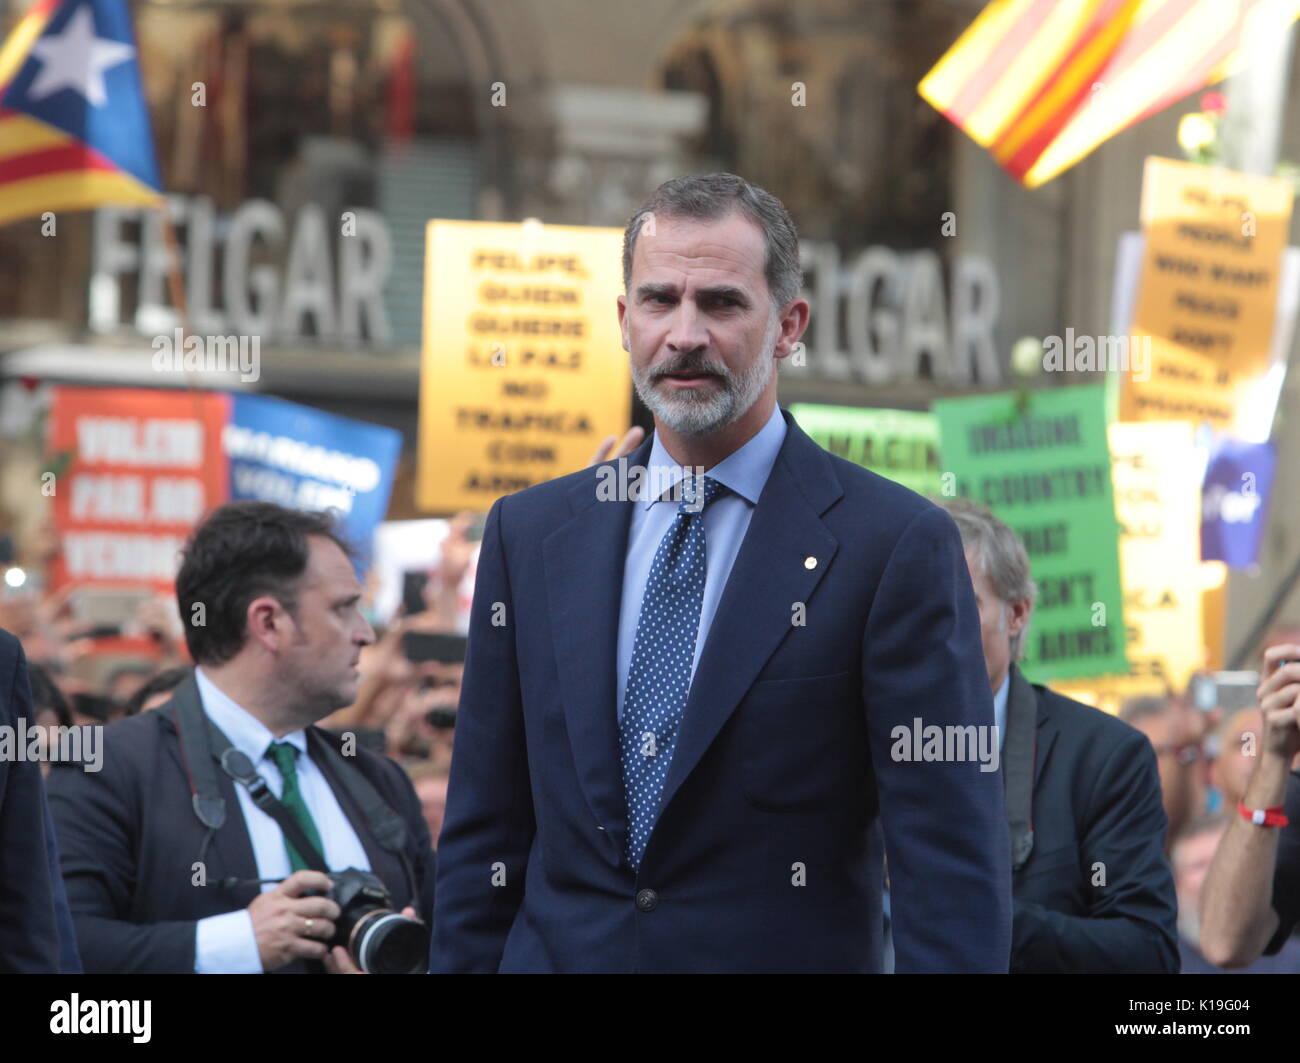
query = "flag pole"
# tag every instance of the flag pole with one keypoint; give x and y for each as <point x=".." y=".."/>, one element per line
<point x="175" y="280"/>
<point x="176" y="292"/>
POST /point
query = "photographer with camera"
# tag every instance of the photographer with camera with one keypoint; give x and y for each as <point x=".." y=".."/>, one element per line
<point x="226" y="832"/>
<point x="1250" y="902"/>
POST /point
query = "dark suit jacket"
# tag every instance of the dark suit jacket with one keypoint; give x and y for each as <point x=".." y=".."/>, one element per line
<point x="1096" y="894"/>
<point x="69" y="956"/>
<point x="29" y="930"/>
<point x="130" y="838"/>
<point x="767" y="855"/>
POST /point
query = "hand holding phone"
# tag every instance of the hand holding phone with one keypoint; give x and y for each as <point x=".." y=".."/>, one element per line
<point x="1278" y="700"/>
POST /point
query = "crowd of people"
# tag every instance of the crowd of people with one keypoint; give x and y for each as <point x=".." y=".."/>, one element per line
<point x="411" y="670"/>
<point x="742" y="725"/>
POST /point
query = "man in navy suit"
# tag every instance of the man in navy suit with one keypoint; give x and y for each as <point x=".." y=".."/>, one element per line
<point x="46" y="697"/>
<point x="30" y="915"/>
<point x="693" y="674"/>
<point x="1092" y="890"/>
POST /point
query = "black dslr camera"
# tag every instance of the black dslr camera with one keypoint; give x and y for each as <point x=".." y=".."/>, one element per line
<point x="380" y="940"/>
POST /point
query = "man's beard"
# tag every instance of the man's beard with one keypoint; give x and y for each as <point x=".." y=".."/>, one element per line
<point x="311" y="695"/>
<point x="710" y="408"/>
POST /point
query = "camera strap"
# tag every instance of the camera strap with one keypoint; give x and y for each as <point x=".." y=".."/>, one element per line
<point x="1018" y="756"/>
<point x="196" y="750"/>
<point x="236" y="764"/>
<point x="204" y="745"/>
<point x="385" y="825"/>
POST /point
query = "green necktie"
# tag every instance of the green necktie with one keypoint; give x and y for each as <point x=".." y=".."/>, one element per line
<point x="284" y="754"/>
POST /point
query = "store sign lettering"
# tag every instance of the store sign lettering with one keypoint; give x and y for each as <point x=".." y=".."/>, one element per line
<point x="246" y="273"/>
<point x="887" y="317"/>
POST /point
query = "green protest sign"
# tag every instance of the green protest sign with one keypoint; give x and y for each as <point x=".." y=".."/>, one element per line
<point x="1045" y="471"/>
<point x="898" y="444"/>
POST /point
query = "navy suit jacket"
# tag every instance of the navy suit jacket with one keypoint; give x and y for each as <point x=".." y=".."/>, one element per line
<point x="130" y="838"/>
<point x="69" y="956"/>
<point x="29" y="919"/>
<point x="1096" y="894"/>
<point x="768" y="852"/>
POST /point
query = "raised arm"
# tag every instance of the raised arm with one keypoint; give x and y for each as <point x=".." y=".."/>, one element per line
<point x="1239" y="913"/>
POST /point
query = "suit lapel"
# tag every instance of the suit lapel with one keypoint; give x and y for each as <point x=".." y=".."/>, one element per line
<point x="1045" y="731"/>
<point x="231" y="849"/>
<point x="769" y="576"/>
<point x="390" y="869"/>
<point x="583" y="561"/>
<point x="1046" y="739"/>
<point x="234" y="846"/>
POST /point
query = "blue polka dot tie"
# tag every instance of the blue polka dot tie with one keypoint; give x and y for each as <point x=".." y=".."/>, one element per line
<point x="663" y="652"/>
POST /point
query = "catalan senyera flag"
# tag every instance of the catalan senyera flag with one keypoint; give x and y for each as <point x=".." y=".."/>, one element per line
<point x="74" y="127"/>
<point x="1041" y="83"/>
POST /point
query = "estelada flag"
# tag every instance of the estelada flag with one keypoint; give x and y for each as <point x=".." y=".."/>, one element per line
<point x="1041" y="83"/>
<point x="74" y="127"/>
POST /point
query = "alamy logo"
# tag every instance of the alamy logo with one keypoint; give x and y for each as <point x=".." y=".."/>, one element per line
<point x="82" y="745"/>
<point x="953" y="743"/>
<point x="1098" y="354"/>
<point x="179" y="353"/>
<point x="102" y="1016"/>
<point x="619" y="482"/>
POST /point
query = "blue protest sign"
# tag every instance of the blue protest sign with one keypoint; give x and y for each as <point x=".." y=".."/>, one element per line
<point x="1234" y="501"/>
<point x="307" y="459"/>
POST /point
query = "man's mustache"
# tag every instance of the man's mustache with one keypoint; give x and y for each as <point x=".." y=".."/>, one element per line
<point x="689" y="364"/>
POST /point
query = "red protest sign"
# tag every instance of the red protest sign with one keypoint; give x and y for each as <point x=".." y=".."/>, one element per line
<point x="144" y="467"/>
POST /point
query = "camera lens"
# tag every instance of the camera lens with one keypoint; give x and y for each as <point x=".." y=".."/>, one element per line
<point x="384" y="942"/>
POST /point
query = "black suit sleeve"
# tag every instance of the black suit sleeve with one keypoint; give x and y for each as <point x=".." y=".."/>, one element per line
<point x="97" y="818"/>
<point x="29" y="939"/>
<point x="1132" y="922"/>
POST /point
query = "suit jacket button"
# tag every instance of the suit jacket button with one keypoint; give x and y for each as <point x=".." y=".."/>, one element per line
<point x="646" y="900"/>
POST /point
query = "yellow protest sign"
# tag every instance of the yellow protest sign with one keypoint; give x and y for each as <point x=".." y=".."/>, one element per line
<point x="523" y="370"/>
<point x="1207" y="293"/>
<point x="1157" y="483"/>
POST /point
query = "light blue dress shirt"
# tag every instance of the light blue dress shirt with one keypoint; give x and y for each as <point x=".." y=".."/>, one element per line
<point x="1000" y="708"/>
<point x="726" y="520"/>
<point x="226" y="944"/>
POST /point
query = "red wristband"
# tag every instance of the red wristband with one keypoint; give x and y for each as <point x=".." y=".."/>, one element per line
<point x="1264" y="817"/>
